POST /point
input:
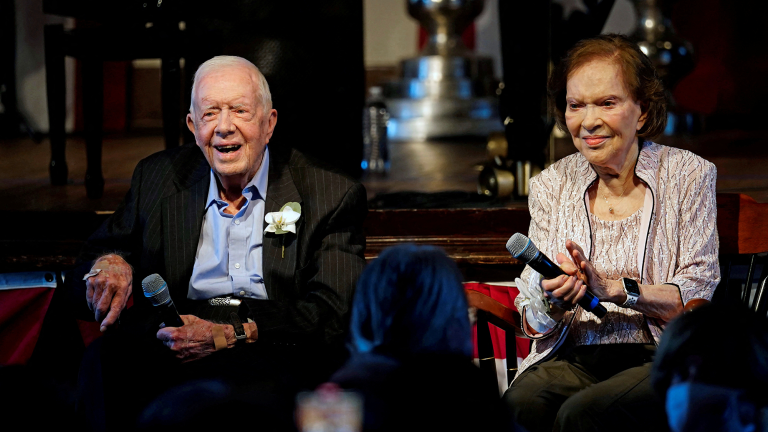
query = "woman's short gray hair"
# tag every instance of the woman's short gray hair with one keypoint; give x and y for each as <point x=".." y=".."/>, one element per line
<point x="221" y="62"/>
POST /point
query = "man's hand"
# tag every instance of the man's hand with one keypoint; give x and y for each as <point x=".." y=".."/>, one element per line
<point x="194" y="340"/>
<point x="108" y="292"/>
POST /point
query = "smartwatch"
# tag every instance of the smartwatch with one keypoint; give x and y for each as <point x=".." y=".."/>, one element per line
<point x="632" y="290"/>
<point x="238" y="325"/>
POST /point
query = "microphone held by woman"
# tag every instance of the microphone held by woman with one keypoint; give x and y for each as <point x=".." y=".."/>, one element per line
<point x="521" y="247"/>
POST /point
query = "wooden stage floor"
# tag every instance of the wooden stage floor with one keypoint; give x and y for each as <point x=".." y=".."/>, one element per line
<point x="741" y="159"/>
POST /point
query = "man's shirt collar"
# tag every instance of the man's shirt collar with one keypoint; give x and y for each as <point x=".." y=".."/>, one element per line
<point x="256" y="188"/>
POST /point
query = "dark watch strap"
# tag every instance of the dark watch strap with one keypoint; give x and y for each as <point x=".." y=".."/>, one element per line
<point x="238" y="325"/>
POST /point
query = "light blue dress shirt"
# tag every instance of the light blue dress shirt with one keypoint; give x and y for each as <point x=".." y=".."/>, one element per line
<point x="228" y="259"/>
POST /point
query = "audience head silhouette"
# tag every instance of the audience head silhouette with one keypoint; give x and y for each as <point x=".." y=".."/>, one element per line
<point x="712" y="370"/>
<point x="410" y="300"/>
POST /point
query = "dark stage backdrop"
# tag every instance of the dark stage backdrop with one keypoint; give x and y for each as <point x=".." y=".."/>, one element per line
<point x="311" y="53"/>
<point x="8" y="118"/>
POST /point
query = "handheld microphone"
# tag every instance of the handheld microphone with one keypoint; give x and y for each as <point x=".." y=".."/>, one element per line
<point x="156" y="290"/>
<point x="521" y="247"/>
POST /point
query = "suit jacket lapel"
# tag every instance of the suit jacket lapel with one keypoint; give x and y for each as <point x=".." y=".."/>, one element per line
<point x="183" y="213"/>
<point x="279" y="267"/>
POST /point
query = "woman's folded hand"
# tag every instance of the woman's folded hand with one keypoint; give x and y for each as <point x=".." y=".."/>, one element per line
<point x="566" y="290"/>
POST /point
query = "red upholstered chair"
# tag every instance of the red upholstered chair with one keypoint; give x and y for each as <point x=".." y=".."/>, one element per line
<point x="497" y="321"/>
<point x="24" y="300"/>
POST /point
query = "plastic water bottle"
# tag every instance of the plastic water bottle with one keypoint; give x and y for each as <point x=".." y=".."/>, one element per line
<point x="375" y="145"/>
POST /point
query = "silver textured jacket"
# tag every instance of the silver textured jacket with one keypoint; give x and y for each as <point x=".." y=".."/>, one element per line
<point x="678" y="241"/>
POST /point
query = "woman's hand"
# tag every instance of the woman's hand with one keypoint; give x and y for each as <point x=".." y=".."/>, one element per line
<point x="603" y="289"/>
<point x="564" y="291"/>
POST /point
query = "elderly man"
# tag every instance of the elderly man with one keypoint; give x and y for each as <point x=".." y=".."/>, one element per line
<point x="196" y="217"/>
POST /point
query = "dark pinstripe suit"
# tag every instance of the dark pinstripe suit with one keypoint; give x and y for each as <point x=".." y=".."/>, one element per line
<point x="157" y="228"/>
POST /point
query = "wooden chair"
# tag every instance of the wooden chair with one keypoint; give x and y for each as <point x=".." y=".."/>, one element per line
<point x="743" y="251"/>
<point x="743" y="248"/>
<point x="490" y="311"/>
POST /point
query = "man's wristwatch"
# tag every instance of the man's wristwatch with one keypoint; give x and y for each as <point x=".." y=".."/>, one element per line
<point x="632" y="290"/>
<point x="238" y="325"/>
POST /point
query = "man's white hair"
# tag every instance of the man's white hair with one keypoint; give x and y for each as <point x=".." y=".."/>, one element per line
<point x="223" y="62"/>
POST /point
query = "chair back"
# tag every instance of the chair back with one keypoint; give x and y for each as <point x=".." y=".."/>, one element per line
<point x="743" y="251"/>
<point x="499" y="340"/>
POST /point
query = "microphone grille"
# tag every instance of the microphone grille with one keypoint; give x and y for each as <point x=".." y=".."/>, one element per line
<point x="522" y="248"/>
<point x="155" y="289"/>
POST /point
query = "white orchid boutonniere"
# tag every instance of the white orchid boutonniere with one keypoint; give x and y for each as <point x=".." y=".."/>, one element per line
<point x="284" y="221"/>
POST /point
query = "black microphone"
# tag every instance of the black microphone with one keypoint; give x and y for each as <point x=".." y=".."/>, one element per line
<point x="156" y="290"/>
<point x="521" y="247"/>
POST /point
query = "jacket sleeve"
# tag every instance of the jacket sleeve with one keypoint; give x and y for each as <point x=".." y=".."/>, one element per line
<point x="327" y="282"/>
<point x="697" y="272"/>
<point x="541" y="202"/>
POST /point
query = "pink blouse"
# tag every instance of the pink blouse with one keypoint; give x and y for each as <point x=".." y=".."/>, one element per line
<point x="615" y="243"/>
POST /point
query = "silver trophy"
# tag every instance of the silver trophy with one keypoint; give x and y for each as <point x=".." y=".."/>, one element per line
<point x="659" y="41"/>
<point x="446" y="91"/>
<point x="671" y="55"/>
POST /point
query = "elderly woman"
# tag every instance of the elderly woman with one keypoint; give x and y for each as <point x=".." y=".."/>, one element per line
<point x="630" y="220"/>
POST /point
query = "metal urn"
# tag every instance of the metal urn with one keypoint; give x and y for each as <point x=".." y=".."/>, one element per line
<point x="446" y="91"/>
<point x="671" y="56"/>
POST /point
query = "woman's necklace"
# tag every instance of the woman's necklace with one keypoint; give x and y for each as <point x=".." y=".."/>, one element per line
<point x="605" y="197"/>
